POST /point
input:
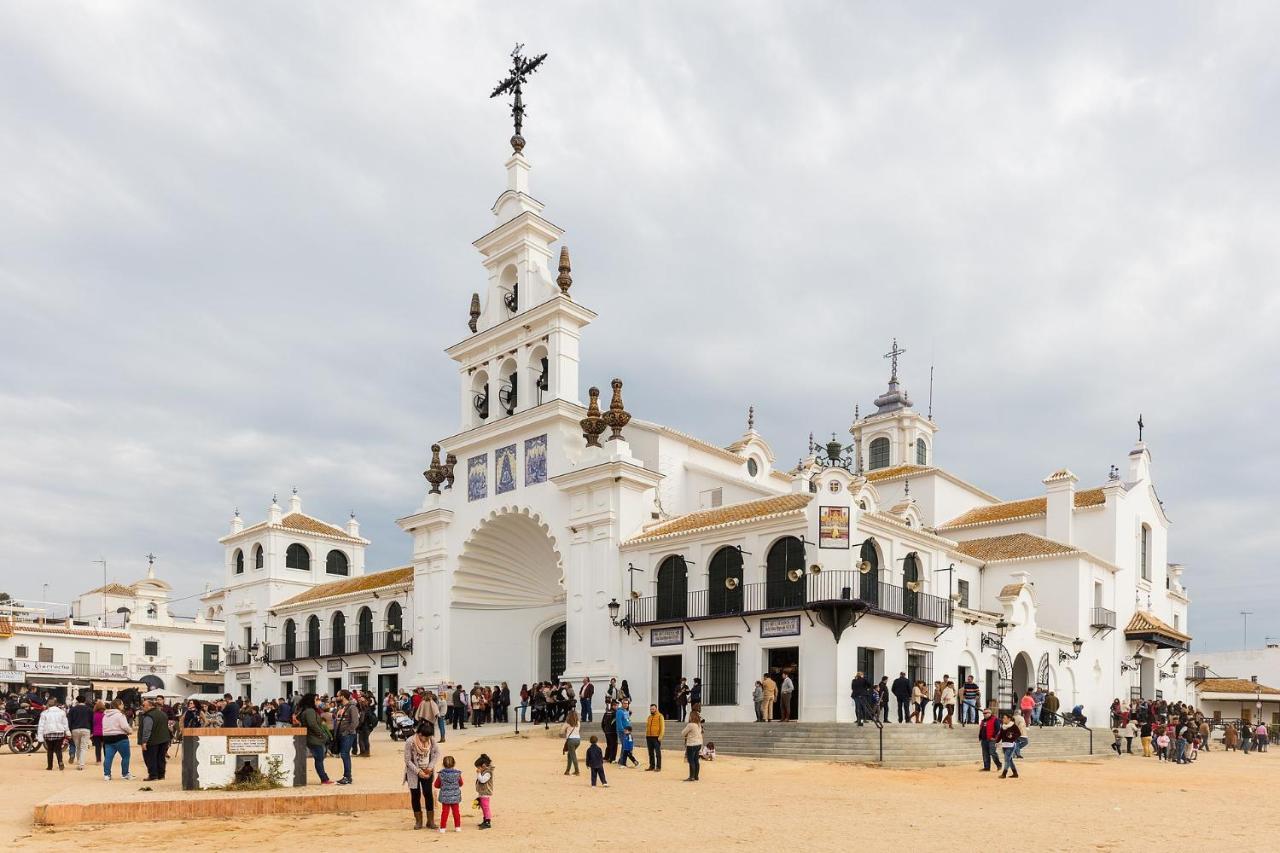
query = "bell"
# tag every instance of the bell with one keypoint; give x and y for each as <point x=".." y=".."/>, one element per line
<point x="864" y="566"/>
<point x="635" y="594"/>
<point x="816" y="569"/>
<point x="795" y="575"/>
<point x="730" y="583"/>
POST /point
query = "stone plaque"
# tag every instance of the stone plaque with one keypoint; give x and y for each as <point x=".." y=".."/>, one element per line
<point x="666" y="636"/>
<point x="246" y="744"/>
<point x="334" y="665"/>
<point x="780" y="626"/>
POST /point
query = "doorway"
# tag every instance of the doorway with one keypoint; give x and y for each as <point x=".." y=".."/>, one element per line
<point x="387" y="682"/>
<point x="286" y="690"/>
<point x="558" y="648"/>
<point x="786" y="661"/>
<point x="670" y="668"/>
<point x="335" y="684"/>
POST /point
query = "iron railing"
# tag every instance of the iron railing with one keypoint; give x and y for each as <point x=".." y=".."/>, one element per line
<point x="201" y="665"/>
<point x="1101" y="617"/>
<point x="239" y="657"/>
<point x="812" y="590"/>
<point x="369" y="642"/>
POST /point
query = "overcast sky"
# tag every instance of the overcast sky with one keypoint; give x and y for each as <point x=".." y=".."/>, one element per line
<point x="234" y="239"/>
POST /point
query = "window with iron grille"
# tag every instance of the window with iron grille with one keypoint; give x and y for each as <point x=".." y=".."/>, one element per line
<point x="20" y="651"/>
<point x="962" y="587"/>
<point x="920" y="667"/>
<point x="922" y="452"/>
<point x="718" y="669"/>
<point x="867" y="663"/>
<point x="1135" y="691"/>
<point x="46" y="655"/>
<point x="151" y="648"/>
<point x="878" y="455"/>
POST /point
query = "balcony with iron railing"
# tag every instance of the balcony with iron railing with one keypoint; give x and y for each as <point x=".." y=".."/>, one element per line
<point x="371" y="642"/>
<point x="198" y="665"/>
<point x="812" y="591"/>
<point x="35" y="669"/>
<point x="238" y="657"/>
<point x="1101" y="617"/>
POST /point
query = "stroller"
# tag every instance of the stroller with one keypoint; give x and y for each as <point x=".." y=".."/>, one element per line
<point x="402" y="725"/>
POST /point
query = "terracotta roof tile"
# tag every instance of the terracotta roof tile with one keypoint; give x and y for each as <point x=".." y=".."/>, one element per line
<point x="1013" y="546"/>
<point x="362" y="583"/>
<point x="113" y="589"/>
<point x="1233" y="685"/>
<point x="725" y="515"/>
<point x="896" y="471"/>
<point x="1010" y="510"/>
<point x="307" y="524"/>
<point x="61" y="629"/>
<point x="1144" y="622"/>
<point x="1009" y="590"/>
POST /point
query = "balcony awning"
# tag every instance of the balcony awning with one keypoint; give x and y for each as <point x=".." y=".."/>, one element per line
<point x="1146" y="627"/>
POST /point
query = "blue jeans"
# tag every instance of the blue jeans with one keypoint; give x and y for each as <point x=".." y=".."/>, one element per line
<point x="524" y="707"/>
<point x="989" y="755"/>
<point x="1010" y="751"/>
<point x="969" y="711"/>
<point x="586" y="710"/>
<point x="111" y="750"/>
<point x="693" y="755"/>
<point x="345" y="743"/>
<point x="317" y="758"/>
<point x="442" y="723"/>
<point x="1035" y="714"/>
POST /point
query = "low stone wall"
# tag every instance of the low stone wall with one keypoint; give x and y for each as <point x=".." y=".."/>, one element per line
<point x="212" y="757"/>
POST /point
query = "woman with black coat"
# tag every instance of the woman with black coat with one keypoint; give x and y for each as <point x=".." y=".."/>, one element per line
<point x="608" y="724"/>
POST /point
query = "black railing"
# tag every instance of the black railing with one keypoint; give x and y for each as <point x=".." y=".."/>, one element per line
<point x="369" y="642"/>
<point x="1101" y="617"/>
<point x="239" y="657"/>
<point x="882" y="599"/>
<point x="201" y="665"/>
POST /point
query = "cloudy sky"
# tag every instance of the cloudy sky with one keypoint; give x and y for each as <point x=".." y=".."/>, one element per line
<point x="234" y="239"/>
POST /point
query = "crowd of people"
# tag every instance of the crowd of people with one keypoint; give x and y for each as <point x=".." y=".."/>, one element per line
<point x="1177" y="732"/>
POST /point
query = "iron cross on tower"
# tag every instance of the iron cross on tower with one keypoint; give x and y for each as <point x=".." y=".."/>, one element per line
<point x="521" y="68"/>
<point x="893" y="355"/>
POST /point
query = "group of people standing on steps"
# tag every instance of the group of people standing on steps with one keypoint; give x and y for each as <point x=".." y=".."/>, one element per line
<point x="776" y="688"/>
<point x="617" y="727"/>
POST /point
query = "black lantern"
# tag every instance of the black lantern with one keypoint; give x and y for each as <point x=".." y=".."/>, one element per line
<point x="1076" y="645"/>
<point x="614" y="609"/>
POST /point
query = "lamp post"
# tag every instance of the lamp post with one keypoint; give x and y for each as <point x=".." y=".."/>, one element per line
<point x="996" y="640"/>
<point x="1076" y="645"/>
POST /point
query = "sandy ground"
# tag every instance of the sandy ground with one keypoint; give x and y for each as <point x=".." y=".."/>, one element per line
<point x="1104" y="804"/>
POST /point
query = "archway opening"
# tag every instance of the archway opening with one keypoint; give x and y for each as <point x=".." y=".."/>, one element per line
<point x="509" y="562"/>
<point x="1022" y="676"/>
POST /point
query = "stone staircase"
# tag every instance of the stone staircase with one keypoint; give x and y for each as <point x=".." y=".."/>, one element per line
<point x="904" y="745"/>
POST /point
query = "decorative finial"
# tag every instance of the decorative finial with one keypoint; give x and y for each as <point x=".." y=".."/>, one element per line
<point x="435" y="474"/>
<point x="1114" y="474"/>
<point x="751" y="418"/>
<point x="893" y="354"/>
<point x="475" y="311"/>
<point x="810" y="442"/>
<point x="237" y="513"/>
<point x="521" y="68"/>
<point x="593" y="424"/>
<point x="275" y="497"/>
<point x="449" y="461"/>
<point x="353" y="514"/>
<point x="1139" y="428"/>
<point x="295" y="490"/>
<point x="564" y="279"/>
<point x="617" y="417"/>
<point x="906" y="488"/>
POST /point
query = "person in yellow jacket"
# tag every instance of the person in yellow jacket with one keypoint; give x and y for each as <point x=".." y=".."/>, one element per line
<point x="770" y="696"/>
<point x="654" y="728"/>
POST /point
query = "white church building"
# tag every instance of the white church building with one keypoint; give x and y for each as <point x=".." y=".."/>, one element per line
<point x="557" y="540"/>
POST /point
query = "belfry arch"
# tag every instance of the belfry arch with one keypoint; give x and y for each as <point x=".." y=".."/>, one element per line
<point x="510" y="561"/>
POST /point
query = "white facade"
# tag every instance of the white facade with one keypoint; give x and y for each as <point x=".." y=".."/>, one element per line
<point x="535" y="533"/>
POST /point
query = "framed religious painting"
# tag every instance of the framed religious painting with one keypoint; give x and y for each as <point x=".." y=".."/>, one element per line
<point x="504" y="469"/>
<point x="535" y="460"/>
<point x="833" y="527"/>
<point x="478" y="477"/>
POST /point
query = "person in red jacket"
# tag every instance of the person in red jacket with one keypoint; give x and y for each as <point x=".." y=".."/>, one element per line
<point x="988" y="735"/>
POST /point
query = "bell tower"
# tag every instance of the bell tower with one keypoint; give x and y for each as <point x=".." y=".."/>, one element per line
<point x="524" y="329"/>
<point x="895" y="433"/>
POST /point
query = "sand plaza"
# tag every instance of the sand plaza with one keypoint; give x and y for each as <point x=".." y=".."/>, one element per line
<point x="1100" y="803"/>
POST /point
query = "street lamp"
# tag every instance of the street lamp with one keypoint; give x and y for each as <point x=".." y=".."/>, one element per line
<point x="996" y="640"/>
<point x="1076" y="645"/>
<point x="614" y="609"/>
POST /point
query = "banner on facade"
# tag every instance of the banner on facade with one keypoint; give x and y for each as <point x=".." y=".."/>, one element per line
<point x="833" y="527"/>
<point x="39" y="667"/>
<point x="780" y="626"/>
<point x="334" y="666"/>
<point x="666" y="636"/>
<point x="286" y="669"/>
<point x="12" y="676"/>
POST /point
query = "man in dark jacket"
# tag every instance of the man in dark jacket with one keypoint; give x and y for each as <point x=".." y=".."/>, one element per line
<point x="80" y="722"/>
<point x="902" y="692"/>
<point x="858" y="690"/>
<point x="988" y="735"/>
<point x="230" y="713"/>
<point x="153" y="737"/>
<point x="347" y="723"/>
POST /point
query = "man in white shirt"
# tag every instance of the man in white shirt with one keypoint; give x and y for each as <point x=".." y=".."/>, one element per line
<point x="52" y="730"/>
<point x="785" y="693"/>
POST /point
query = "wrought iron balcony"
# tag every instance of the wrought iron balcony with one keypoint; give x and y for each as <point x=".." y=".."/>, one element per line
<point x="305" y="648"/>
<point x="809" y="592"/>
<point x="1101" y="617"/>
<point x="194" y="665"/>
<point x="239" y="657"/>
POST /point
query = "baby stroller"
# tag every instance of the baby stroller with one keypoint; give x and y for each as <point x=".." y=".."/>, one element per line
<point x="402" y="725"/>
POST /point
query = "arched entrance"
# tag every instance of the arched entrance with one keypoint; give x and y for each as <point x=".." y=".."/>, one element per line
<point x="153" y="682"/>
<point x="553" y="646"/>
<point x="1022" y="676"/>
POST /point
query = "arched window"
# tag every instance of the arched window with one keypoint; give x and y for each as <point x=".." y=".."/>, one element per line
<point x="257" y="556"/>
<point x="910" y="576"/>
<point x="364" y="630"/>
<point x="290" y="640"/>
<point x="922" y="452"/>
<point x="338" y="633"/>
<point x="297" y="557"/>
<point x="869" y="583"/>
<point x="313" y="636"/>
<point x="239" y="562"/>
<point x="336" y="563"/>
<point x="395" y="625"/>
<point x="1146" y="552"/>
<point x="878" y="455"/>
<point x="725" y="571"/>
<point x="784" y="574"/>
<point x="673" y="588"/>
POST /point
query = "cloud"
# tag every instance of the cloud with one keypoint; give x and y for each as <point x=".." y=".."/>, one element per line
<point x="234" y="244"/>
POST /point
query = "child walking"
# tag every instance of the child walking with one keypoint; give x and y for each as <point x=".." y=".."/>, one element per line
<point x="628" y="748"/>
<point x="595" y="761"/>
<point x="449" y="783"/>
<point x="484" y="788"/>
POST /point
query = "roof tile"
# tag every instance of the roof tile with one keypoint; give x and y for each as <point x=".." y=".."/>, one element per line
<point x="1146" y="622"/>
<point x="1012" y="546"/>
<point x="724" y="515"/>
<point x="361" y="583"/>
<point x="1010" y="510"/>
<point x="1233" y="685"/>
